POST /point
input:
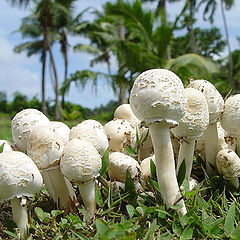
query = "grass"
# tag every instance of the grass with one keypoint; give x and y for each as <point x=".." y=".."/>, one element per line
<point x="5" y="127"/>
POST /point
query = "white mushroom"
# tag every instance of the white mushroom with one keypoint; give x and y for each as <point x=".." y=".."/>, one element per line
<point x="157" y="98"/>
<point x="80" y="163"/>
<point x="191" y="126"/>
<point x="45" y="148"/>
<point x="145" y="166"/>
<point x="228" y="165"/>
<point x="7" y="146"/>
<point x="22" y="125"/>
<point x="120" y="134"/>
<point x="61" y="129"/>
<point x="19" y="178"/>
<point x="92" y="131"/>
<point x="215" y="108"/>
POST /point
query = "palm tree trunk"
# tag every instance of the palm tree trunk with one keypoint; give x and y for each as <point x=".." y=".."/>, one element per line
<point x="191" y="29"/>
<point x="228" y="45"/>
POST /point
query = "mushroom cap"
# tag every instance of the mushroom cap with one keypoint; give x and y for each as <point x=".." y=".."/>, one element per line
<point x="230" y="118"/>
<point x="157" y="95"/>
<point x="120" y="133"/>
<point x="8" y="146"/>
<point x="92" y="131"/>
<point x="221" y="137"/>
<point x="19" y="176"/>
<point x="146" y="167"/>
<point x="80" y="161"/>
<point x="228" y="163"/>
<point x="214" y="98"/>
<point x="45" y="147"/>
<point x="124" y="111"/>
<point x="22" y="124"/>
<point x="119" y="163"/>
<point x="61" y="129"/>
<point x="196" y="119"/>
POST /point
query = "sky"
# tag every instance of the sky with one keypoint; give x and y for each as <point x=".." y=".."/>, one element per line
<point x="23" y="74"/>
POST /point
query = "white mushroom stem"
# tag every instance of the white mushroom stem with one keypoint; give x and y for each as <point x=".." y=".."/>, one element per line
<point x="186" y="153"/>
<point x="165" y="165"/>
<point x="238" y="146"/>
<point x="87" y="192"/>
<point x="47" y="182"/>
<point x="211" y="147"/>
<point x="20" y="216"/>
<point x="61" y="191"/>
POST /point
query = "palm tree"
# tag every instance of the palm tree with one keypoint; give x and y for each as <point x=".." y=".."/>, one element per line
<point x="20" y="3"/>
<point x="210" y="8"/>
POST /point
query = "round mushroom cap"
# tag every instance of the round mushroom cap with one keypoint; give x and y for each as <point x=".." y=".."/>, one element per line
<point x="45" y="147"/>
<point x="80" y="161"/>
<point x="214" y="98"/>
<point x="92" y="131"/>
<point x="120" y="133"/>
<point x="19" y="176"/>
<point x="228" y="163"/>
<point x="124" y="111"/>
<point x="119" y="163"/>
<point x="196" y="119"/>
<point x="22" y="125"/>
<point x="158" y="95"/>
<point x="7" y="146"/>
<point x="146" y="167"/>
<point x="230" y="118"/>
<point x="61" y="129"/>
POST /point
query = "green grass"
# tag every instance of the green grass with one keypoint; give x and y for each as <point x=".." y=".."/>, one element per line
<point x="5" y="127"/>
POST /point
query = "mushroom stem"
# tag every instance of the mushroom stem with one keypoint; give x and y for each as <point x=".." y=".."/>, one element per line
<point x="211" y="147"/>
<point x="61" y="190"/>
<point x="47" y="182"/>
<point x="186" y="153"/>
<point x="87" y="192"/>
<point x="238" y="146"/>
<point x="165" y="165"/>
<point x="20" y="216"/>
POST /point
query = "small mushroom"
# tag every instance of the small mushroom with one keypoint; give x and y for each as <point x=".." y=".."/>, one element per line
<point x="158" y="100"/>
<point x="80" y="164"/>
<point x="7" y="146"/>
<point x="22" y="124"/>
<point x="228" y="165"/>
<point x="145" y="166"/>
<point x="19" y="178"/>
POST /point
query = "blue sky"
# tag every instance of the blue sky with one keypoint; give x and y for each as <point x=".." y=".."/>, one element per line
<point x="23" y="74"/>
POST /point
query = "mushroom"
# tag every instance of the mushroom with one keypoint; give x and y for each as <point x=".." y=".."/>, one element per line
<point x="7" y="146"/>
<point x="158" y="100"/>
<point x="215" y="108"/>
<point x="45" y="147"/>
<point x="92" y="131"/>
<point x="145" y="166"/>
<point x="80" y="164"/>
<point x="228" y="165"/>
<point x="120" y="134"/>
<point x="230" y="118"/>
<point x="191" y="126"/>
<point x="22" y="124"/>
<point x="19" y="178"/>
<point x="61" y="129"/>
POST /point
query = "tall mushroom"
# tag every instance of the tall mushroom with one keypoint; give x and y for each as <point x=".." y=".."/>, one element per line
<point x="80" y="163"/>
<point x="19" y="178"/>
<point x="191" y="126"/>
<point x="215" y="108"/>
<point x="157" y="98"/>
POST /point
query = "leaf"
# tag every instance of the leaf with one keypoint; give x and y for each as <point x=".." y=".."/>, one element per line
<point x="236" y="234"/>
<point x="11" y="234"/>
<point x="104" y="163"/>
<point x="153" y="169"/>
<point x="181" y="173"/>
<point x="187" y="233"/>
<point x="56" y="213"/>
<point x="79" y="236"/>
<point x="101" y="227"/>
<point x="176" y="227"/>
<point x="130" y="188"/>
<point x="10" y="224"/>
<point x="130" y="151"/>
<point x="42" y="216"/>
<point x="1" y="148"/>
<point x="230" y="218"/>
<point x="130" y="210"/>
<point x="151" y="230"/>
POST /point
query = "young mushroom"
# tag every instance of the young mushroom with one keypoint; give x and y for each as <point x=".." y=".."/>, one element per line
<point x="215" y="108"/>
<point x="228" y="165"/>
<point x="80" y="163"/>
<point x="191" y="126"/>
<point x="19" y="178"/>
<point x="22" y="124"/>
<point x="7" y="146"/>
<point x="157" y="99"/>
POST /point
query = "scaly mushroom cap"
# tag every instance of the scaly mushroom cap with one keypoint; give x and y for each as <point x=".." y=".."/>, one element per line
<point x="80" y="161"/>
<point x="45" y="147"/>
<point x="119" y="163"/>
<point x="196" y="118"/>
<point x="228" y="163"/>
<point x="124" y="111"/>
<point x="61" y="129"/>
<point x="214" y="98"/>
<point x="19" y="176"/>
<point x="22" y="125"/>
<point x="120" y="133"/>
<point x="230" y="119"/>
<point x="157" y="95"/>
<point x="92" y="131"/>
<point x="7" y="146"/>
